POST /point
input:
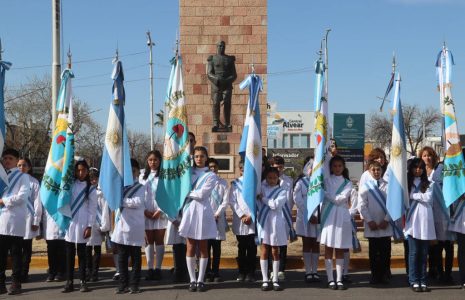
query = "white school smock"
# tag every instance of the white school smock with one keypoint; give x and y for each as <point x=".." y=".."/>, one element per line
<point x="371" y="210"/>
<point x="162" y="221"/>
<point x="275" y="231"/>
<point x="83" y="216"/>
<point x="102" y="222"/>
<point x="219" y="202"/>
<point x="239" y="208"/>
<point x="50" y="229"/>
<point x="441" y="215"/>
<point x="303" y="227"/>
<point x="34" y="209"/>
<point x="421" y="223"/>
<point x="287" y="183"/>
<point x="14" y="211"/>
<point x="130" y="222"/>
<point x="457" y="223"/>
<point x="337" y="228"/>
<point x="198" y="221"/>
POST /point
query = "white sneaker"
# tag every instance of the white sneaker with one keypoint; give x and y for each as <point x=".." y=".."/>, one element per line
<point x="281" y="276"/>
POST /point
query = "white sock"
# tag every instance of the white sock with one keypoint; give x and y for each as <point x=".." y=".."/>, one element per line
<point x="202" y="268"/>
<point x="346" y="262"/>
<point x="190" y="261"/>
<point x="264" y="268"/>
<point x="307" y="262"/>
<point x="329" y="269"/>
<point x="275" y="270"/>
<point x="160" y="253"/>
<point x="149" y="256"/>
<point x="339" y="267"/>
<point x="115" y="261"/>
<point x="315" y="258"/>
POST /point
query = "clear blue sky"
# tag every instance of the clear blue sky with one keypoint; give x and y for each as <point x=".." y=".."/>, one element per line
<point x="364" y="35"/>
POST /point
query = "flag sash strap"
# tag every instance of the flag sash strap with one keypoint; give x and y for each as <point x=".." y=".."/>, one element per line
<point x="238" y="184"/>
<point x="16" y="175"/>
<point x="381" y="200"/>
<point x="412" y="206"/>
<point x="153" y="187"/>
<point x="30" y="205"/>
<point x="263" y="213"/>
<point x="128" y="192"/>
<point x="98" y="216"/>
<point x="355" y="240"/>
<point x="458" y="211"/>
<point x="197" y="185"/>
<point x="77" y="203"/>
<point x="330" y="205"/>
<point x="438" y="198"/>
<point x="288" y="217"/>
<point x="216" y="197"/>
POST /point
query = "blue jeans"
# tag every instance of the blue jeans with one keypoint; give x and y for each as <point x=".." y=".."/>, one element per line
<point x="418" y="253"/>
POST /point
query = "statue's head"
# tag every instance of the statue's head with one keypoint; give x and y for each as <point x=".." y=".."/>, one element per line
<point x="221" y="46"/>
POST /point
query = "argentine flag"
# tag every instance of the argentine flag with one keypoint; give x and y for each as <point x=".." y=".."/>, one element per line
<point x="3" y="67"/>
<point x="57" y="182"/>
<point x="397" y="194"/>
<point x="250" y="147"/>
<point x="115" y="170"/>
<point x="454" y="164"/>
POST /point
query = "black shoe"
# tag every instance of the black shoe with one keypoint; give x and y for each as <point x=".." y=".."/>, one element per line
<point x="149" y="274"/>
<point x="116" y="276"/>
<point x="157" y="274"/>
<point x="201" y="287"/>
<point x="241" y="277"/>
<point x="58" y="278"/>
<point x="316" y="277"/>
<point x="15" y="288"/>
<point x="69" y="287"/>
<point x="425" y="288"/>
<point x="308" y="278"/>
<point x="332" y="285"/>
<point x="415" y="287"/>
<point x="3" y="289"/>
<point x="25" y="278"/>
<point x="134" y="290"/>
<point x="346" y="279"/>
<point x="84" y="288"/>
<point x="340" y="286"/>
<point x="277" y="287"/>
<point x="217" y="278"/>
<point x="209" y="277"/>
<point x="122" y="290"/>
<point x="192" y="287"/>
<point x="50" y="278"/>
<point x="250" y="277"/>
<point x="266" y="286"/>
<point x="93" y="278"/>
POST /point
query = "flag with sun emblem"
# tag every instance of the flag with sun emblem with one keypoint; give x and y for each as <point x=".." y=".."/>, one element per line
<point x="57" y="182"/>
<point x="316" y="191"/>
<point x="174" y="182"/>
<point x="397" y="199"/>
<point x="115" y="169"/>
<point x="250" y="147"/>
<point x="454" y="164"/>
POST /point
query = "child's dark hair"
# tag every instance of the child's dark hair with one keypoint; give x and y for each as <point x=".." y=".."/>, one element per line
<point x="212" y="160"/>
<point x="135" y="164"/>
<point x="335" y="158"/>
<point x="374" y="163"/>
<point x="200" y="148"/>
<point x="147" y="168"/>
<point x="271" y="170"/>
<point x="84" y="163"/>
<point x="278" y="160"/>
<point x="424" y="182"/>
<point x="11" y="151"/>
<point x="29" y="164"/>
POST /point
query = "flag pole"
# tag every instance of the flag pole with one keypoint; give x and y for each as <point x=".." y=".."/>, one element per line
<point x="56" y="63"/>
<point x="150" y="44"/>
<point x="326" y="61"/>
<point x="1" y="49"/>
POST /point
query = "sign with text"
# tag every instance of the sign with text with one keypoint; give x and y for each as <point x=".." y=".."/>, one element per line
<point x="349" y="133"/>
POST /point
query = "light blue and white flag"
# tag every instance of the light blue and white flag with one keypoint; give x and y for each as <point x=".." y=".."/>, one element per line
<point x="174" y="182"/>
<point x="4" y="66"/>
<point x="57" y="182"/>
<point x="316" y="187"/>
<point x="397" y="194"/>
<point x="250" y="148"/>
<point x="454" y="164"/>
<point x="115" y="169"/>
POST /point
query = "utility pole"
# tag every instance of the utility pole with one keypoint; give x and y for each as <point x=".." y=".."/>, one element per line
<point x="56" y="64"/>
<point x="150" y="44"/>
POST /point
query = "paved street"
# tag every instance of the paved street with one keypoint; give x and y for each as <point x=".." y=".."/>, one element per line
<point x="230" y="289"/>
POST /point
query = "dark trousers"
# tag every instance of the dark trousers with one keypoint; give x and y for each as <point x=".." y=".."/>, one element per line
<point x="70" y="257"/>
<point x="124" y="253"/>
<point x="179" y="255"/>
<point x="282" y="258"/>
<point x="418" y="252"/>
<point x="246" y="253"/>
<point x="13" y="245"/>
<point x="93" y="261"/>
<point x="436" y="265"/>
<point x="56" y="253"/>
<point x="26" y="248"/>
<point x="406" y="258"/>
<point x="214" y="249"/>
<point x="379" y="252"/>
<point x="461" y="256"/>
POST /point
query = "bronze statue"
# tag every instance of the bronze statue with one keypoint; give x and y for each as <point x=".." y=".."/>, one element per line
<point x="221" y="72"/>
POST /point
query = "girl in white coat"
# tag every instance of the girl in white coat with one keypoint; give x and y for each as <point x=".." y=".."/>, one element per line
<point x="198" y="223"/>
<point x="336" y="233"/>
<point x="419" y="226"/>
<point x="34" y="215"/>
<point x="83" y="211"/>
<point x="273" y="228"/>
<point x="155" y="220"/>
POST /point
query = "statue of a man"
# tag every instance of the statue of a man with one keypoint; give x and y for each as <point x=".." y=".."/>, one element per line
<point x="221" y="72"/>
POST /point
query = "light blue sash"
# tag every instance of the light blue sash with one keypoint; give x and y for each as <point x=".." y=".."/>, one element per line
<point x="238" y="184"/>
<point x="288" y="217"/>
<point x="197" y="185"/>
<point x="381" y="200"/>
<point x="264" y="211"/>
<point x="77" y="203"/>
<point x="413" y="205"/>
<point x="128" y="192"/>
<point x="98" y="216"/>
<point x="327" y="208"/>
<point x="30" y="204"/>
<point x="356" y="247"/>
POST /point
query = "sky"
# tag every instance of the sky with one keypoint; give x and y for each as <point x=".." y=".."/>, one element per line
<point x="364" y="35"/>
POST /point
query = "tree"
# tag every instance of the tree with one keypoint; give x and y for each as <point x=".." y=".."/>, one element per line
<point x="139" y="145"/>
<point x="418" y="123"/>
<point x="160" y="118"/>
